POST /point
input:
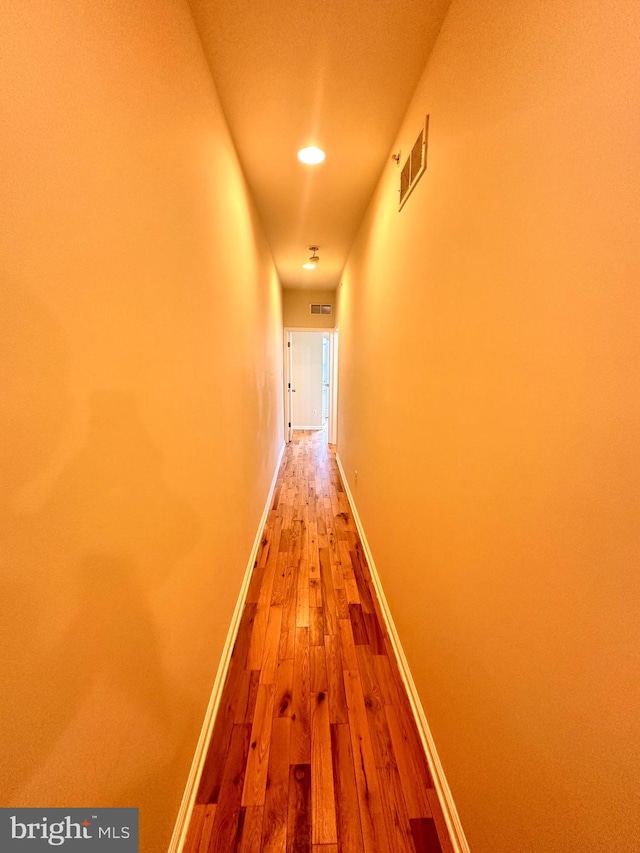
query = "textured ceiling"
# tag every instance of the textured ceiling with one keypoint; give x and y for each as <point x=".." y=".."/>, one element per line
<point x="334" y="73"/>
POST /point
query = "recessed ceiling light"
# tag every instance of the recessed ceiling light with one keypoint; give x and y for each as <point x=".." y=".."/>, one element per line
<point x="308" y="266"/>
<point x="311" y="155"/>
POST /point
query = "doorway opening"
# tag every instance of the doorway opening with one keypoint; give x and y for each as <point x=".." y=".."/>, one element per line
<point x="311" y="381"/>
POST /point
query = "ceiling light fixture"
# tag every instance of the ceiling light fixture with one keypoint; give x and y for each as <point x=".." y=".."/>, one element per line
<point x="313" y="260"/>
<point x="311" y="155"/>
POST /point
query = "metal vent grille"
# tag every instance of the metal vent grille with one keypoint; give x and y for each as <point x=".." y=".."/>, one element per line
<point x="320" y="309"/>
<point x="414" y="165"/>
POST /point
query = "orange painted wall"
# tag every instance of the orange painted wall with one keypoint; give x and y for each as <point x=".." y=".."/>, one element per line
<point x="296" y="312"/>
<point x="490" y="401"/>
<point x="142" y="404"/>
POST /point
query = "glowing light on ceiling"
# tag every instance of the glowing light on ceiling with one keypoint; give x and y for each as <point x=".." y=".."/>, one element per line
<point x="311" y="155"/>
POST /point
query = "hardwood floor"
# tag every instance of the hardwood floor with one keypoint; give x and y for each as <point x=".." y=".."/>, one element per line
<point x="314" y="749"/>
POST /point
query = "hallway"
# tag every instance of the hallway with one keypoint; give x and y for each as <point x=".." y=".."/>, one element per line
<point x="156" y="229"/>
<point x="314" y="746"/>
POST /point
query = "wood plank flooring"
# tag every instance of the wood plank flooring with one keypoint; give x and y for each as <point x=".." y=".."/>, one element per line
<point x="314" y="748"/>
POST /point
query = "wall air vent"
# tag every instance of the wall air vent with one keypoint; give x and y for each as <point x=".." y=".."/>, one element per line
<point x="320" y="309"/>
<point x="415" y="165"/>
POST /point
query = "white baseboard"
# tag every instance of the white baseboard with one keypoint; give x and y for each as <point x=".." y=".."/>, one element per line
<point x="312" y="426"/>
<point x="449" y="810"/>
<point x="186" y="807"/>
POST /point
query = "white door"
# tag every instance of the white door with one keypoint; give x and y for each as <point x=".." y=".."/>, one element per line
<point x="306" y="380"/>
<point x="325" y="379"/>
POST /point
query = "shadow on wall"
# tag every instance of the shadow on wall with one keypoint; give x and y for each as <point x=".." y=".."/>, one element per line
<point x="82" y="680"/>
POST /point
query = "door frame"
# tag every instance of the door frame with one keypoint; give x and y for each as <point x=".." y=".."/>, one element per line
<point x="333" y="380"/>
<point x="288" y="407"/>
<point x="333" y="386"/>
